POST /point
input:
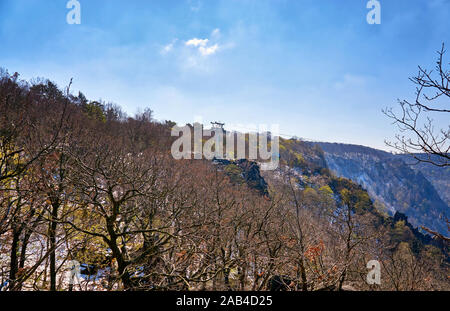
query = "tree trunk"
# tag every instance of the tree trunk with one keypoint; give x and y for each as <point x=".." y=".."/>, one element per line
<point x="303" y="275"/>
<point x="52" y="237"/>
<point x="13" y="266"/>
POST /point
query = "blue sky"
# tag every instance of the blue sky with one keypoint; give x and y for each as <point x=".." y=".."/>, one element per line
<point x="315" y="67"/>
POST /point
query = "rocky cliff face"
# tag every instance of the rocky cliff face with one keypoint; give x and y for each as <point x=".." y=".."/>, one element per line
<point x="439" y="177"/>
<point x="417" y="191"/>
<point x="244" y="171"/>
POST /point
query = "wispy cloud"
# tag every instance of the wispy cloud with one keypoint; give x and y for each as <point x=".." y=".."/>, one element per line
<point x="205" y="51"/>
<point x="169" y="47"/>
<point x="349" y="81"/>
<point x="195" y="6"/>
<point x="215" y="33"/>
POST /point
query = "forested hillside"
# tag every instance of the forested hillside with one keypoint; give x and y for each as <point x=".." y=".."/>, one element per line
<point x="82" y="181"/>
<point x="419" y="190"/>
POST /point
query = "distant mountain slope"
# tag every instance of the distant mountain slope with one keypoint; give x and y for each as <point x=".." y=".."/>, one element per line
<point x="414" y="191"/>
<point x="438" y="176"/>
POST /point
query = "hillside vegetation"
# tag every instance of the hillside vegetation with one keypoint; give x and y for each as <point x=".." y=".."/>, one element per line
<point x="396" y="181"/>
<point x="80" y="180"/>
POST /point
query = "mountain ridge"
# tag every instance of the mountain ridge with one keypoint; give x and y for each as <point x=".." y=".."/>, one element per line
<point x="420" y="192"/>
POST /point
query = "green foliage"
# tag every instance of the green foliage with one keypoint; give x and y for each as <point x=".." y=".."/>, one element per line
<point x="326" y="190"/>
<point x="400" y="232"/>
<point x="363" y="201"/>
<point x="235" y="173"/>
<point x="381" y="208"/>
<point x="95" y="111"/>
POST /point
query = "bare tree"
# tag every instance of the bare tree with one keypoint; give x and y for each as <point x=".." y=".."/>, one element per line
<point x="415" y="122"/>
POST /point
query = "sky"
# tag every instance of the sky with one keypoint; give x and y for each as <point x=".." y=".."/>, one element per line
<point x="315" y="67"/>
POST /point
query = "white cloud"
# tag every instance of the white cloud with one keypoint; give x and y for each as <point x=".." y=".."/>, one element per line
<point x="197" y="42"/>
<point x="204" y="46"/>
<point x="168" y="48"/>
<point x="205" y="51"/>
